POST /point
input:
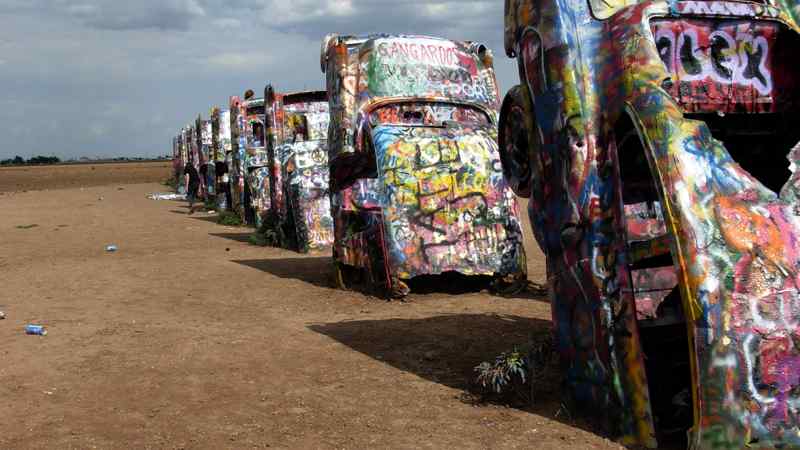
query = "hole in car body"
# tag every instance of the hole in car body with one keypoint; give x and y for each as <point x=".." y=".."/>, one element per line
<point x="653" y="284"/>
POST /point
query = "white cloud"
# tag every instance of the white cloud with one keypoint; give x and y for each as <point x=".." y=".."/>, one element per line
<point x="118" y="74"/>
<point x="237" y="60"/>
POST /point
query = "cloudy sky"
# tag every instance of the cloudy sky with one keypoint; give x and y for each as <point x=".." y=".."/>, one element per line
<point x="119" y="78"/>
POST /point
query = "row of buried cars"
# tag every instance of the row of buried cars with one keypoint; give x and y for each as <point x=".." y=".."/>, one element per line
<point x="657" y="144"/>
<point x="395" y="165"/>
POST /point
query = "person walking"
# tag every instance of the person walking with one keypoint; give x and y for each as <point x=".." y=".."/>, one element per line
<point x="192" y="180"/>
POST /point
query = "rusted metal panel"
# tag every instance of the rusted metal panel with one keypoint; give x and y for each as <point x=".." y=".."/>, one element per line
<point x="656" y="148"/>
<point x="413" y="135"/>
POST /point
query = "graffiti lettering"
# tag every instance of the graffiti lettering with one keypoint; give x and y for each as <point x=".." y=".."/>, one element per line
<point x="429" y="53"/>
<point x="723" y="9"/>
<point x="739" y="59"/>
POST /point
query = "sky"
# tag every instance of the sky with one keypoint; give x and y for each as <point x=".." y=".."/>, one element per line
<point x="110" y="78"/>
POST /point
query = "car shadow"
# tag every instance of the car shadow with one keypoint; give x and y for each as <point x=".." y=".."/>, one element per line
<point x="446" y="349"/>
<point x="238" y="237"/>
<point x="315" y="270"/>
<point x="531" y="291"/>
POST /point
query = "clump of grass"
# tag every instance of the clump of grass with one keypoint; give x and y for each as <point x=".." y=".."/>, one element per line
<point x="258" y="239"/>
<point x="513" y="376"/>
<point x="27" y="227"/>
<point x="230" y="219"/>
<point x="508" y="369"/>
<point x="171" y="182"/>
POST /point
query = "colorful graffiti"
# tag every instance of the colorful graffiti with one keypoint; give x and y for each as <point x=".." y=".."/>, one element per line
<point x="660" y="210"/>
<point x="221" y="146"/>
<point x="256" y="164"/>
<point x="236" y="171"/>
<point x="413" y="136"/>
<point x="297" y="136"/>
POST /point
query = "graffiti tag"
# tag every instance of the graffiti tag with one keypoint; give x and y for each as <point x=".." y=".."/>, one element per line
<point x="739" y="59"/>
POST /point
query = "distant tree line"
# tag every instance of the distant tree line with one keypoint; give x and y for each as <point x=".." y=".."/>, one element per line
<point x="19" y="160"/>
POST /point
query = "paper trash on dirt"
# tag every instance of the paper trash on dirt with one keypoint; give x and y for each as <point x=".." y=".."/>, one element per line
<point x="166" y="196"/>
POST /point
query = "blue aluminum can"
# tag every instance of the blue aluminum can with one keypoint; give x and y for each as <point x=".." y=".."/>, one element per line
<point x="37" y="330"/>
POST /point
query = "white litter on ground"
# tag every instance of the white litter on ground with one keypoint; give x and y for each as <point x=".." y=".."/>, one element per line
<point x="166" y="196"/>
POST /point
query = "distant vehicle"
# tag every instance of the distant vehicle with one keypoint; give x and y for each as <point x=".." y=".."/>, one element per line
<point x="298" y="128"/>
<point x="658" y="143"/>
<point x="256" y="163"/>
<point x="239" y="192"/>
<point x="221" y="147"/>
<point x="416" y="182"/>
<point x="177" y="161"/>
<point x="203" y="142"/>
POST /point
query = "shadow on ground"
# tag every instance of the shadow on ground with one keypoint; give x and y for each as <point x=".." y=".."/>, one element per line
<point x="445" y="349"/>
<point x="238" y="237"/>
<point x="314" y="270"/>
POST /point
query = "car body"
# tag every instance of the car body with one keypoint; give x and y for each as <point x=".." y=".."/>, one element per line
<point x="298" y="135"/>
<point x="256" y="164"/>
<point x="657" y="142"/>
<point x="178" y="162"/>
<point x="207" y="141"/>
<point x="203" y="142"/>
<point x="237" y="173"/>
<point x="416" y="185"/>
<point x="221" y="147"/>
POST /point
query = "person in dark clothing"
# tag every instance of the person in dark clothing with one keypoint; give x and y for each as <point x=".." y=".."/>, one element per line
<point x="192" y="185"/>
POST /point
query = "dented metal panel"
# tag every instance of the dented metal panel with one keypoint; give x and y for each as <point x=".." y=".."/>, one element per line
<point x="297" y="135"/>
<point x="653" y="145"/>
<point x="415" y="173"/>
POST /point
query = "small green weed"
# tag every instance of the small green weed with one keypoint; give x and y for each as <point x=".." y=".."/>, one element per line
<point x="258" y="239"/>
<point x="171" y="182"/>
<point x="513" y="376"/>
<point x="230" y="219"/>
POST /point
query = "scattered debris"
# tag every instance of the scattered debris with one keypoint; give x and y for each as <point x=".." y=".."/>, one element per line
<point x="111" y="248"/>
<point x="27" y="227"/>
<point x="2" y="315"/>
<point x="37" y="330"/>
<point x="166" y="196"/>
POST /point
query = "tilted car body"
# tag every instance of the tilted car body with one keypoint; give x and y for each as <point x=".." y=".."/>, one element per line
<point x="177" y="161"/>
<point x="256" y="165"/>
<point x="221" y="147"/>
<point x="208" y="157"/>
<point x="237" y="173"/>
<point x="658" y="143"/>
<point x="415" y="174"/>
<point x="203" y="143"/>
<point x="298" y="135"/>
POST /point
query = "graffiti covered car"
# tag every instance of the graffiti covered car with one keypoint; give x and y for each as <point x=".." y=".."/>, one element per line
<point x="658" y="144"/>
<point x="256" y="164"/>
<point x="203" y="138"/>
<point x="415" y="177"/>
<point x="178" y="162"/>
<point x="237" y="173"/>
<point x="298" y="135"/>
<point x="221" y="148"/>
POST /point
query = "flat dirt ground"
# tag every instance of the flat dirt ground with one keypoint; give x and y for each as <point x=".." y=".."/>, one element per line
<point x="189" y="337"/>
<point x="32" y="178"/>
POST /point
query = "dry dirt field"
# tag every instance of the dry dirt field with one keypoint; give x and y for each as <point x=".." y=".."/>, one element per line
<point x="189" y="337"/>
<point x="34" y="178"/>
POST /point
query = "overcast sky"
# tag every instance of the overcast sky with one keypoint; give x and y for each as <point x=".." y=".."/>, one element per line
<point x="119" y="78"/>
